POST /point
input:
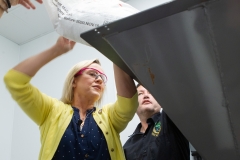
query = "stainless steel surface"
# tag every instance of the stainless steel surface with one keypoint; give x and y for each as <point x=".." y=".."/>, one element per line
<point x="190" y="62"/>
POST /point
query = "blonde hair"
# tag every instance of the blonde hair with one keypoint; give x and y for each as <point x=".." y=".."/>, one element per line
<point x="67" y="94"/>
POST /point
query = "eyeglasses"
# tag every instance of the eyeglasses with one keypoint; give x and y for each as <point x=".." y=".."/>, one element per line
<point x="94" y="73"/>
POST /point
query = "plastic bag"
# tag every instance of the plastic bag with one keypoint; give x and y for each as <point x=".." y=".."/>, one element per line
<point x="70" y="18"/>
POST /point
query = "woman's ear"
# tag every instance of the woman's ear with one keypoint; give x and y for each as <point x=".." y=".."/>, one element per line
<point x="74" y="83"/>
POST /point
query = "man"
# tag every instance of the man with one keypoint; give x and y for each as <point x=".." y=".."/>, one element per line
<point x="156" y="137"/>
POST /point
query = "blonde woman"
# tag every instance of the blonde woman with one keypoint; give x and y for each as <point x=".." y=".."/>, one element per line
<point x="73" y="128"/>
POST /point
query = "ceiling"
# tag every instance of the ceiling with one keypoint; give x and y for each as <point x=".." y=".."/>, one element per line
<point x="20" y="25"/>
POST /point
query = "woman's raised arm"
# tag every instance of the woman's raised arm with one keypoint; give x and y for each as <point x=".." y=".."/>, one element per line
<point x="124" y="83"/>
<point x="31" y="65"/>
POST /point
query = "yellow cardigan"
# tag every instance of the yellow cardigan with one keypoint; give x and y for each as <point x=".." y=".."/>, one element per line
<point x="53" y="116"/>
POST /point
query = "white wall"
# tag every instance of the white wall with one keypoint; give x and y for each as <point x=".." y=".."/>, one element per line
<point x="21" y="138"/>
<point x="50" y="79"/>
<point x="8" y="57"/>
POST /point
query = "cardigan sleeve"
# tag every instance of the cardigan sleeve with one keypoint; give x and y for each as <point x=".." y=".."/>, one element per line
<point x="122" y="111"/>
<point x="34" y="103"/>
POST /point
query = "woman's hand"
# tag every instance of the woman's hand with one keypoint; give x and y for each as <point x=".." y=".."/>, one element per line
<point x="64" y="45"/>
<point x="31" y="65"/>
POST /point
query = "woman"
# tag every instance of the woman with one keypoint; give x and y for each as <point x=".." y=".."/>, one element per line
<point x="72" y="128"/>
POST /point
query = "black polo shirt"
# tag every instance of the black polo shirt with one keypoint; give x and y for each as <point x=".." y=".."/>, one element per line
<point x="161" y="141"/>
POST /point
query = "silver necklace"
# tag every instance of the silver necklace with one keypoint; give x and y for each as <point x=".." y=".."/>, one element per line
<point x="82" y="124"/>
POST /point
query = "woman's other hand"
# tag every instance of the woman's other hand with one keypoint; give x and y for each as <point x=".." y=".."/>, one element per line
<point x="26" y="3"/>
<point x="31" y="65"/>
<point x="64" y="45"/>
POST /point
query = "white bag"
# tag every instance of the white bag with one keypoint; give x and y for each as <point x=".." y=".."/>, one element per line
<point x="70" y="18"/>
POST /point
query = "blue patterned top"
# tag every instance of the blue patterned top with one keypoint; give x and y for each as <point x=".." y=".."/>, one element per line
<point x="87" y="144"/>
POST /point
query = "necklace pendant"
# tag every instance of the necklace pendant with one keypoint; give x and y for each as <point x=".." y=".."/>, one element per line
<point x="81" y="126"/>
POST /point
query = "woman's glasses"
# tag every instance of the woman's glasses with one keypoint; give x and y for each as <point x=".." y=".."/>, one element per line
<point x="94" y="73"/>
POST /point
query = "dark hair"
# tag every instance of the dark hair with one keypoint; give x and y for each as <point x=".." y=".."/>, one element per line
<point x="139" y="84"/>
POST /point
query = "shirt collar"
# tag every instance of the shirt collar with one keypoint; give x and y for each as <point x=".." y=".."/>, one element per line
<point x="153" y="119"/>
<point x="89" y="110"/>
